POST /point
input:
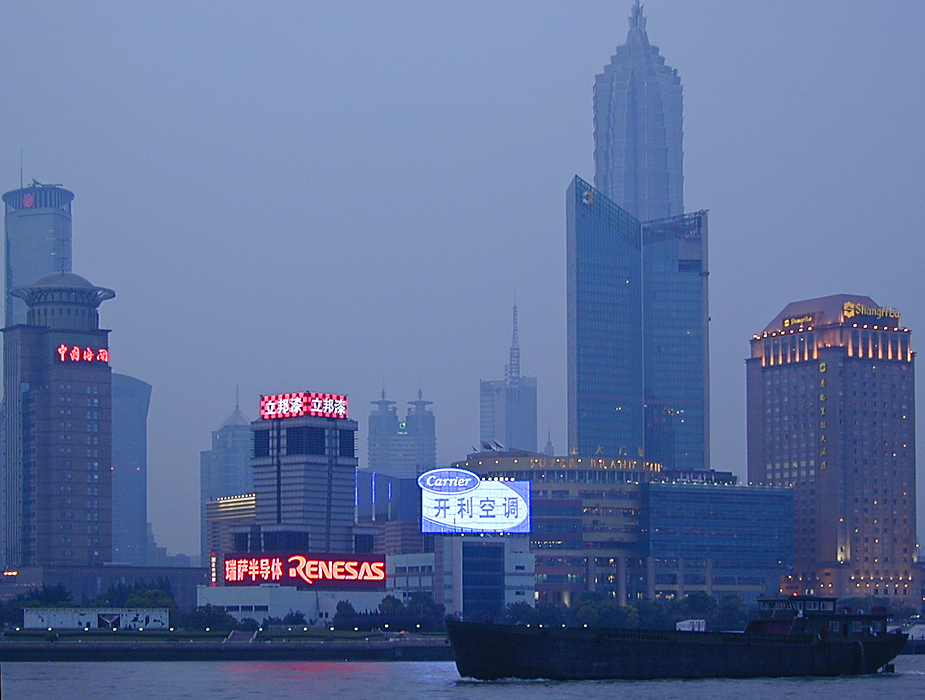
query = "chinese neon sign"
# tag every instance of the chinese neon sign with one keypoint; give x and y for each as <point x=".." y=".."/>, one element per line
<point x="337" y="571"/>
<point x="301" y="404"/>
<point x="67" y="353"/>
<point x="456" y="501"/>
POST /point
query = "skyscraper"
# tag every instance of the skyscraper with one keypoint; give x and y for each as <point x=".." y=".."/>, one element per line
<point x="676" y="349"/>
<point x="225" y="470"/>
<point x="130" y="400"/>
<point x="38" y="239"/>
<point x="57" y="462"/>
<point x="507" y="408"/>
<point x="401" y="448"/>
<point x="638" y="132"/>
<point x="831" y="414"/>
<point x="638" y="373"/>
<point x="638" y="337"/>
<point x="604" y="304"/>
<point x="304" y="464"/>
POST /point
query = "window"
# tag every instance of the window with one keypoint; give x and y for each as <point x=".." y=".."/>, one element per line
<point x="261" y="443"/>
<point x="348" y="443"/>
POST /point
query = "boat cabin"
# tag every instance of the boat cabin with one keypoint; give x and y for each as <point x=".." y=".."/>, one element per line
<point x="815" y="616"/>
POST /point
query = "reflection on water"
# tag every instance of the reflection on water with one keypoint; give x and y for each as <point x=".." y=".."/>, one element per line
<point x="403" y="681"/>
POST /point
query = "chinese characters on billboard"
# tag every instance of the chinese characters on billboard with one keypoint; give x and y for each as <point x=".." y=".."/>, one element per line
<point x="301" y="404"/>
<point x="66" y="353"/>
<point x="458" y="501"/>
<point x="337" y="571"/>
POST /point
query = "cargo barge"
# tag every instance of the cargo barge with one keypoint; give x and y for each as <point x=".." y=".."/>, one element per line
<point x="793" y="636"/>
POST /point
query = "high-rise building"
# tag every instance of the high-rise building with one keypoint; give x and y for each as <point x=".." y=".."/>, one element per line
<point x="57" y="463"/>
<point x="638" y="154"/>
<point x="831" y="414"/>
<point x="676" y="352"/>
<point x="507" y="408"/>
<point x="130" y="400"/>
<point x="401" y="448"/>
<point x="638" y="379"/>
<point x="304" y="464"/>
<point x="38" y="239"/>
<point x="604" y="319"/>
<point x="225" y="470"/>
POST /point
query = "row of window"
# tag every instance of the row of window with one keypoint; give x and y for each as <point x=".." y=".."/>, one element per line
<point x="304" y="440"/>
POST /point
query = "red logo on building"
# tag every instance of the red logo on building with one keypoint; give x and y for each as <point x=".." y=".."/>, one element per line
<point x="337" y="571"/>
<point x="66" y="353"/>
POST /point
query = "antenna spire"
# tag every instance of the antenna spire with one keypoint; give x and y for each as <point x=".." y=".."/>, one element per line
<point x="512" y="371"/>
<point x="637" y="23"/>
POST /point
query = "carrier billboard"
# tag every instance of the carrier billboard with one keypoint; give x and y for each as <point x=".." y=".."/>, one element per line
<point x="459" y="501"/>
<point x="322" y="571"/>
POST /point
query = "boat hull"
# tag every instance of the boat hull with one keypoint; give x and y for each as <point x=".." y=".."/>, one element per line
<point x="488" y="652"/>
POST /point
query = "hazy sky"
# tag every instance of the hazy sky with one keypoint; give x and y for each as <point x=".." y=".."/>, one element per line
<point x="321" y="195"/>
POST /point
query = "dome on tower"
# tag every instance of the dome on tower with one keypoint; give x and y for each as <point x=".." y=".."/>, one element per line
<point x="61" y="279"/>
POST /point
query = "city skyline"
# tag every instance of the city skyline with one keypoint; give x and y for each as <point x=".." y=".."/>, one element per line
<point x="276" y="161"/>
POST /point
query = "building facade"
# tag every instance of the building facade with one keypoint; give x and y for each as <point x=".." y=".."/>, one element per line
<point x="57" y="462"/>
<point x="507" y="408"/>
<point x="638" y="153"/>
<point x="831" y="414"/>
<point x="706" y="537"/>
<point x="37" y="228"/>
<point x="638" y="339"/>
<point x="130" y="400"/>
<point x="632" y="531"/>
<point x="401" y="448"/>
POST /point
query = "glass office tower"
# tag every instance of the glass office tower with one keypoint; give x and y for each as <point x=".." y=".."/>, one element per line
<point x="676" y="341"/>
<point x="637" y="333"/>
<point x="131" y="398"/>
<point x="605" y="367"/>
<point x="38" y="239"/>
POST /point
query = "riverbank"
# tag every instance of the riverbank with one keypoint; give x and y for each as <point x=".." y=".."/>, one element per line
<point x="425" y="649"/>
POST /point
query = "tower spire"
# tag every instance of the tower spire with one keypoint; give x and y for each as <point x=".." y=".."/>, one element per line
<point x="637" y="24"/>
<point x="512" y="371"/>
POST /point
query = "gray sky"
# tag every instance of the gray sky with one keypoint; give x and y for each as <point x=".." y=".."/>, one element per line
<point x="316" y="195"/>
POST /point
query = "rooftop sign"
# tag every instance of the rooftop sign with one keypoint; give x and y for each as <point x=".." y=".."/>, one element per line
<point x="852" y="309"/>
<point x="302" y="404"/>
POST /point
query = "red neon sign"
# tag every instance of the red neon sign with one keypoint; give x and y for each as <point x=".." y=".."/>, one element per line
<point x="301" y="404"/>
<point x="338" y="571"/>
<point x="76" y="353"/>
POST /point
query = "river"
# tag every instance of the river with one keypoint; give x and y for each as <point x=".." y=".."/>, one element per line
<point x="409" y="681"/>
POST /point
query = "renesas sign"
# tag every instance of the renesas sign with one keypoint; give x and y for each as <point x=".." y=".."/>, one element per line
<point x="458" y="501"/>
<point x="320" y="571"/>
<point x="303" y="404"/>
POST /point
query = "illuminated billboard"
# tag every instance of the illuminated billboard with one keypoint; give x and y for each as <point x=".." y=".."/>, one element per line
<point x="458" y="501"/>
<point x="302" y="404"/>
<point x="66" y="353"/>
<point x="322" y="571"/>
